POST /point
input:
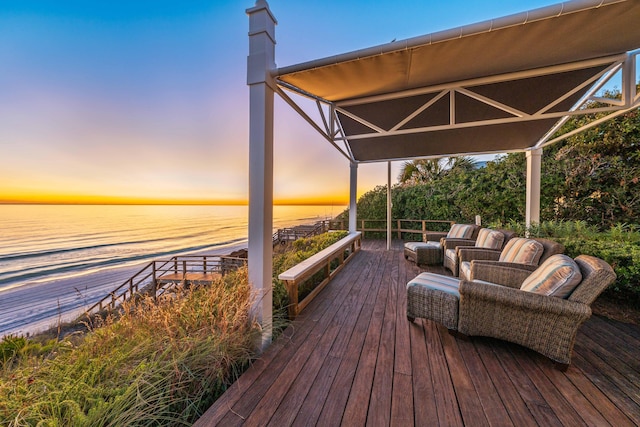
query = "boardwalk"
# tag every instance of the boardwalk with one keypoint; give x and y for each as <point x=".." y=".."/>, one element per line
<point x="353" y="359"/>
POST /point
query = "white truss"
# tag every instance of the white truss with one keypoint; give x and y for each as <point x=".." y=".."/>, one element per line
<point x="331" y="129"/>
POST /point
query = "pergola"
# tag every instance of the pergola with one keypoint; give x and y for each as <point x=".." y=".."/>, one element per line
<point x="497" y="86"/>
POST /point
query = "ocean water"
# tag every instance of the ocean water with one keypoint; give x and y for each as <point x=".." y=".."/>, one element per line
<point x="39" y="243"/>
<point x="57" y="258"/>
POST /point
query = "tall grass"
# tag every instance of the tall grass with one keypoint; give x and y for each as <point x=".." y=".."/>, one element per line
<point x="160" y="363"/>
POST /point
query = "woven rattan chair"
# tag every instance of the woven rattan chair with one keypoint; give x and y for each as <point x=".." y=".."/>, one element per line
<point x="473" y="260"/>
<point x="546" y="324"/>
<point x="431" y="251"/>
<point x="451" y="246"/>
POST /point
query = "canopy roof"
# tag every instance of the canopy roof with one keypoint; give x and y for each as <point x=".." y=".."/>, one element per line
<point x="495" y="86"/>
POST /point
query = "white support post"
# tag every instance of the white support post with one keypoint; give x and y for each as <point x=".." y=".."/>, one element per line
<point x="534" y="166"/>
<point x="260" y="63"/>
<point x="389" y="206"/>
<point x="353" y="198"/>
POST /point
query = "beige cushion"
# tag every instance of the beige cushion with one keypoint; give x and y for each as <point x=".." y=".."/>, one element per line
<point x="451" y="254"/>
<point x="489" y="239"/>
<point x="465" y="270"/>
<point x="558" y="276"/>
<point x="522" y="251"/>
<point x="460" y="231"/>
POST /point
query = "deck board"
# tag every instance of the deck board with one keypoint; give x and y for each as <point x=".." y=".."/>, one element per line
<point x="352" y="358"/>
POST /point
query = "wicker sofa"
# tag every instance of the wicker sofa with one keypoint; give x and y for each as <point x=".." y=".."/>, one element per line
<point x="534" y="318"/>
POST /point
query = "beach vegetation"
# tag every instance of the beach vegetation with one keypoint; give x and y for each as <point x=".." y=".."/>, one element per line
<point x="158" y="362"/>
<point x="161" y="362"/>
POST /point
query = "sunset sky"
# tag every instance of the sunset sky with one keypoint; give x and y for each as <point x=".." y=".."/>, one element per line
<point x="146" y="101"/>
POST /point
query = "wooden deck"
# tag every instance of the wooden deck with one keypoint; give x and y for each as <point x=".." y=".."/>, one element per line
<point x="352" y="358"/>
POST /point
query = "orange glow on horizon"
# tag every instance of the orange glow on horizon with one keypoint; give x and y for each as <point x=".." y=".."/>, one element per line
<point x="118" y="200"/>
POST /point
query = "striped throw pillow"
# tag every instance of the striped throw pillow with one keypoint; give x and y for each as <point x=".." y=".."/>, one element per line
<point x="558" y="276"/>
<point x="522" y="251"/>
<point x="460" y="231"/>
<point x="489" y="239"/>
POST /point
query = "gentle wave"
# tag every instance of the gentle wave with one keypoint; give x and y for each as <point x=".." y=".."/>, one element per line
<point x="89" y="264"/>
<point x="49" y="252"/>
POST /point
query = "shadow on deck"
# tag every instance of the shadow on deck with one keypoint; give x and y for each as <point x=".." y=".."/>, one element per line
<point x="352" y="358"/>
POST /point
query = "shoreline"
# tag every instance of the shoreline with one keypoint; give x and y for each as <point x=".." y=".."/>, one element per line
<point x="36" y="307"/>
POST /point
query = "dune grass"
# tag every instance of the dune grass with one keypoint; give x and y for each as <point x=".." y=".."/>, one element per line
<point x="160" y="363"/>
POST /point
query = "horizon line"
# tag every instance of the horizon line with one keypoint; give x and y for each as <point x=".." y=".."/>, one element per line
<point x="106" y="203"/>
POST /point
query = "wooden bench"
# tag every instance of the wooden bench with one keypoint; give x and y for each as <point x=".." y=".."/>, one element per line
<point x="342" y="251"/>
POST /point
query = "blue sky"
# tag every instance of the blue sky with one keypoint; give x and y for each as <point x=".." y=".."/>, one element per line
<point x="111" y="100"/>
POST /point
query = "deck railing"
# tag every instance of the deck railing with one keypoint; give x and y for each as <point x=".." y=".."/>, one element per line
<point x="398" y="226"/>
<point x="158" y="276"/>
<point x="285" y="235"/>
<point x="319" y="269"/>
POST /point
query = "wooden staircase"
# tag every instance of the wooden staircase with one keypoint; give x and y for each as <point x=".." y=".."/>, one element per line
<point x="159" y="276"/>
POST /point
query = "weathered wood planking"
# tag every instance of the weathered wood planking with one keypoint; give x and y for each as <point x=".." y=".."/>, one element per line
<point x="351" y="358"/>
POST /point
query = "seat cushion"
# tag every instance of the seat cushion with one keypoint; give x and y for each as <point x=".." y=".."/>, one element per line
<point x="464" y="270"/>
<point x="461" y="231"/>
<point x="413" y="246"/>
<point x="558" y="276"/>
<point x="452" y="255"/>
<point x="489" y="239"/>
<point x="522" y="251"/>
<point x="446" y="284"/>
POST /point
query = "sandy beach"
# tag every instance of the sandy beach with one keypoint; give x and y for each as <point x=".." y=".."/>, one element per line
<point x="36" y="307"/>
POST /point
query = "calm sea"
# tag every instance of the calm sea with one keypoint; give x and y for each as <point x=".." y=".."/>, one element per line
<point x="56" y="261"/>
<point x="45" y="246"/>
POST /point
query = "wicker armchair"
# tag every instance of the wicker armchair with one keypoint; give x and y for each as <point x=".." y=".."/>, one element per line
<point x="431" y="251"/>
<point x="546" y="324"/>
<point x="486" y="240"/>
<point x="479" y="264"/>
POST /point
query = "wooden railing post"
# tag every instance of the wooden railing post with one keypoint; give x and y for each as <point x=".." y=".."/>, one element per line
<point x="292" y="287"/>
<point x="154" y="283"/>
<point x="399" y="230"/>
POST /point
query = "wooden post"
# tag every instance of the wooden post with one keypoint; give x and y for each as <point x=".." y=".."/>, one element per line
<point x="154" y="285"/>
